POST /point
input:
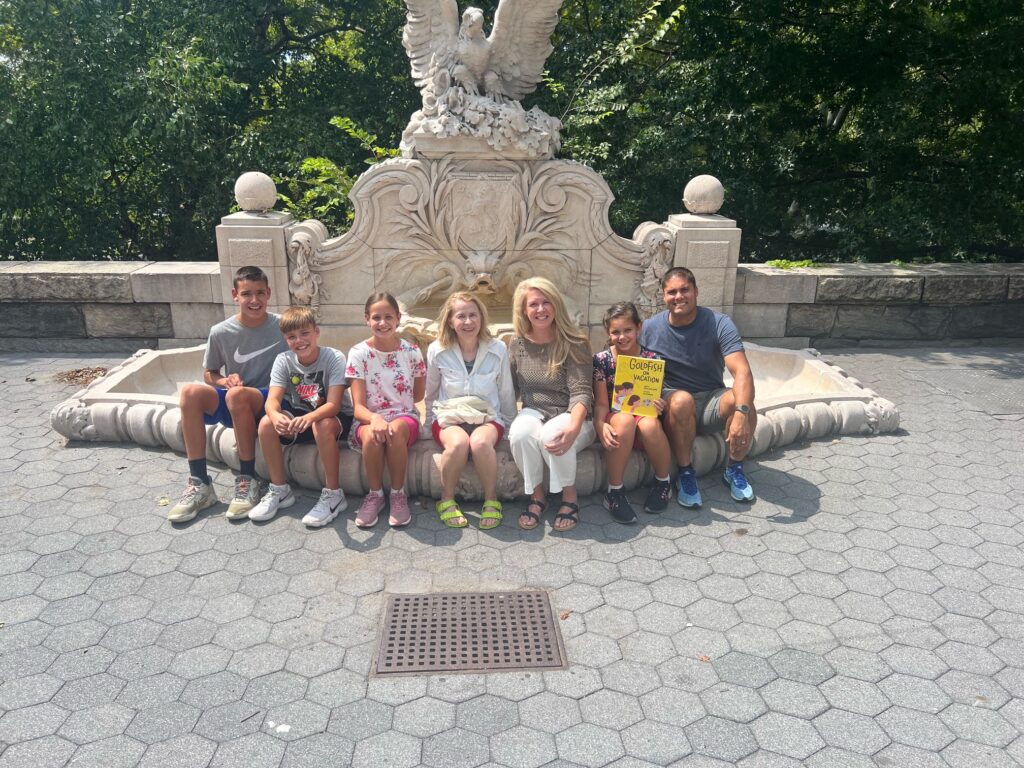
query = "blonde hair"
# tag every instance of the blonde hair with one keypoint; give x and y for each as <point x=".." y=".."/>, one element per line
<point x="296" y="318"/>
<point x="569" y="338"/>
<point x="445" y="333"/>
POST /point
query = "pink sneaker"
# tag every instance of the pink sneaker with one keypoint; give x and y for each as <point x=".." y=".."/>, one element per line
<point x="401" y="515"/>
<point x="369" y="510"/>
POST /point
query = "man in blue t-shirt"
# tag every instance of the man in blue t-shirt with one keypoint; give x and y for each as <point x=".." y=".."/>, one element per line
<point x="698" y="344"/>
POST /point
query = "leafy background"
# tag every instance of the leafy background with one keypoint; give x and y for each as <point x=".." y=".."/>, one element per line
<point x="850" y="131"/>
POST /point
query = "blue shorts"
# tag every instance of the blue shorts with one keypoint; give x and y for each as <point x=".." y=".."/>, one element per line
<point x="222" y="415"/>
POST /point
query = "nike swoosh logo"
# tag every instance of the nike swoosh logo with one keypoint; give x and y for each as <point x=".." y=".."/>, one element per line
<point x="240" y="358"/>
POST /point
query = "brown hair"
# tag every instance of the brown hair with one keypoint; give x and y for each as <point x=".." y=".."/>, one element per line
<point x="296" y="318"/>
<point x="383" y="296"/>
<point x="445" y="334"/>
<point x="252" y="274"/>
<point x="682" y="272"/>
<point x="626" y="309"/>
<point x="569" y="337"/>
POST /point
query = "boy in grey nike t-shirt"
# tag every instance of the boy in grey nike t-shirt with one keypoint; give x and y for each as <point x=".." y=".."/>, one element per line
<point x="236" y="372"/>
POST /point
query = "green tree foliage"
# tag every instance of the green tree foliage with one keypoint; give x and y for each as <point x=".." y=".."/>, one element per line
<point x="851" y="130"/>
<point x="842" y="131"/>
<point x="125" y="122"/>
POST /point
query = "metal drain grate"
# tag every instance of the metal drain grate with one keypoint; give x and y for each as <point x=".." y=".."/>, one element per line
<point x="469" y="631"/>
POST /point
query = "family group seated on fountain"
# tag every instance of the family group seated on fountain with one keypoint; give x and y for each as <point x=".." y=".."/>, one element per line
<point x="266" y="376"/>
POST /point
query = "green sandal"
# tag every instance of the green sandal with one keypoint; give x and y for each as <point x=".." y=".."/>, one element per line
<point x="449" y="511"/>
<point x="490" y="515"/>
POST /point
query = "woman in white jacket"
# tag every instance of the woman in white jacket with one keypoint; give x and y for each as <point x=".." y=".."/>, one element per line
<point x="466" y="362"/>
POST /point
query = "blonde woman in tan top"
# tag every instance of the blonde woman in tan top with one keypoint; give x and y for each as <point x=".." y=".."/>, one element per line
<point x="552" y="373"/>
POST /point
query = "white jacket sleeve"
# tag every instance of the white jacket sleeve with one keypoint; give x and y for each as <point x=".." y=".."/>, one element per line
<point x="506" y="389"/>
<point x="433" y="383"/>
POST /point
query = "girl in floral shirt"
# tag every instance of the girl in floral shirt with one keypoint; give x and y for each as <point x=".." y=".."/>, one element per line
<point x="388" y="378"/>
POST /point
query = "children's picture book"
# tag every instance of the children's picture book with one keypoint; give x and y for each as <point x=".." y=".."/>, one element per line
<point x="637" y="385"/>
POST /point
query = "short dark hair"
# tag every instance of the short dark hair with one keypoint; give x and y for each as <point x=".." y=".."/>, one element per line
<point x="626" y="309"/>
<point x="682" y="272"/>
<point x="252" y="274"/>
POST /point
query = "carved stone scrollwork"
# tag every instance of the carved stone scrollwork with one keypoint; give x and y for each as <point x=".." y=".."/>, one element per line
<point x="305" y="285"/>
<point x="658" y="247"/>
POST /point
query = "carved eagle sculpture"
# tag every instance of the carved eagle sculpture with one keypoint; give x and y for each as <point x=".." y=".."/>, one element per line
<point x="506" y="65"/>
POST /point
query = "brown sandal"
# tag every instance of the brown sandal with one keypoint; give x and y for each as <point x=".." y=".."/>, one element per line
<point x="541" y="507"/>
<point x="573" y="516"/>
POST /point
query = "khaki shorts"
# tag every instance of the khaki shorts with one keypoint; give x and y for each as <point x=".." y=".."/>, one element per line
<point x="709" y="415"/>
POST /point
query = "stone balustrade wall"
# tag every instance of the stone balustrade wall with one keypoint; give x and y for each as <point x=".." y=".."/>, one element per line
<point x="124" y="306"/>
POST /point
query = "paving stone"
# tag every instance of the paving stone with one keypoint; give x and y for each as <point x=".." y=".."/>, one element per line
<point x="33" y="722"/>
<point x="914" y="693"/>
<point x="979" y="725"/>
<point x="852" y="732"/>
<point x="522" y="747"/>
<point x="792" y="698"/>
<point x="253" y="750"/>
<point x="393" y="749"/>
<point x="487" y="715"/>
<point x="744" y="669"/>
<point x="95" y="723"/>
<point x="318" y="749"/>
<point x="855" y="696"/>
<point x="515" y="686"/>
<point x="733" y="702"/>
<point x="114" y="752"/>
<point x="162" y="722"/>
<point x="610" y="709"/>
<point x="296" y="720"/>
<point x="28" y="691"/>
<point x="801" y="667"/>
<point x="722" y="739"/>
<point x="229" y="721"/>
<point x="361" y="719"/>
<point x="787" y="735"/>
<point x="425" y="717"/>
<point x="549" y="712"/>
<point x="46" y="751"/>
<point x="589" y="745"/>
<point x="457" y="748"/>
<point x="915" y="729"/>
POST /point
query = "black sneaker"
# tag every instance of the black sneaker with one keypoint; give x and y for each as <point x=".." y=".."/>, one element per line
<point x="658" y="497"/>
<point x="617" y="503"/>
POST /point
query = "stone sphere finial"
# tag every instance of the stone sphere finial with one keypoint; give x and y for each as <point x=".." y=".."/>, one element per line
<point x="255" y="192"/>
<point x="704" y="195"/>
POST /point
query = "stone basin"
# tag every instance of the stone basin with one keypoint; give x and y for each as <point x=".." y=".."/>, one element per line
<point x="800" y="396"/>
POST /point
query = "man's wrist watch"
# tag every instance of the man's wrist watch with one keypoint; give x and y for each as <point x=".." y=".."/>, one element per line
<point x="744" y="409"/>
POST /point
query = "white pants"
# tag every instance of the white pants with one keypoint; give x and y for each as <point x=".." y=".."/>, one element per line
<point x="527" y="435"/>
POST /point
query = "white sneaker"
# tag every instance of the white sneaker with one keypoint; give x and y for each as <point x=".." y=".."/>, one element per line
<point x="277" y="497"/>
<point x="330" y="505"/>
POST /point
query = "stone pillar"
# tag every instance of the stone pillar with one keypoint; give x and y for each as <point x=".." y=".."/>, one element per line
<point x="256" y="236"/>
<point x="707" y="244"/>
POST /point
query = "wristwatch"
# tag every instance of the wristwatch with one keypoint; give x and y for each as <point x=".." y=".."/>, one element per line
<point x="744" y="409"/>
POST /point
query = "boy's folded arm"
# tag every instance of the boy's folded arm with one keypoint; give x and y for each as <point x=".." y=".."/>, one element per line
<point x="330" y="408"/>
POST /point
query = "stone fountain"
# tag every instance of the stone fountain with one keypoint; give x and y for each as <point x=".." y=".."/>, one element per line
<point x="477" y="202"/>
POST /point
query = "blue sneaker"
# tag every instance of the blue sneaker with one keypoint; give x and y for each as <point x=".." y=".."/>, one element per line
<point x="689" y="493"/>
<point x="739" y="488"/>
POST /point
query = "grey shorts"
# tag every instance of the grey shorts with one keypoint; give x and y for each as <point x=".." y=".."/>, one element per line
<point x="709" y="416"/>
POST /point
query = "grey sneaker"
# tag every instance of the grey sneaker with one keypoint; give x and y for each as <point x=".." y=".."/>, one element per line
<point x="277" y="497"/>
<point x="247" y="495"/>
<point x="197" y="497"/>
<point x="328" y="507"/>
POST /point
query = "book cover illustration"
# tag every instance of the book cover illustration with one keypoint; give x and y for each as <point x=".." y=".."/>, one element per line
<point x="637" y="385"/>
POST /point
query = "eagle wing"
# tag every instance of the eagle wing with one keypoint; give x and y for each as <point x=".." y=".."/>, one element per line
<point x="431" y="29"/>
<point x="521" y="43"/>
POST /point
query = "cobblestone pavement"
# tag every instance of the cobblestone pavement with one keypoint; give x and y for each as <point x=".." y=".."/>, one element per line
<point x="866" y="610"/>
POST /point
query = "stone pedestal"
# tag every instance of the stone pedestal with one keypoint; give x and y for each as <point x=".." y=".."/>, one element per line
<point x="259" y="240"/>
<point x="709" y="246"/>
